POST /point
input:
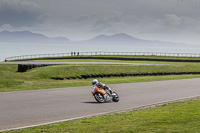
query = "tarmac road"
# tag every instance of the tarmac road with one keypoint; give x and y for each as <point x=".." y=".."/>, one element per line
<point x="119" y="63"/>
<point x="37" y="107"/>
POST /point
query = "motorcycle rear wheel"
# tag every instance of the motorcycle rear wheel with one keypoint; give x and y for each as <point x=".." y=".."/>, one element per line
<point x="99" y="97"/>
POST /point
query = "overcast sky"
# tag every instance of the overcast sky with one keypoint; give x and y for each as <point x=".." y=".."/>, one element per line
<point x="167" y="20"/>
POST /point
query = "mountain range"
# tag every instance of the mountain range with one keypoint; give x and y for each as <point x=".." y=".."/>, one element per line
<point x="116" y="39"/>
<point x="29" y="37"/>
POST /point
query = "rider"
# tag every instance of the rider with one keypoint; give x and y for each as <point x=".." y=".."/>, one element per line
<point x="99" y="84"/>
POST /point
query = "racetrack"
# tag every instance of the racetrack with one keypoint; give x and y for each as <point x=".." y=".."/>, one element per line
<point x="37" y="107"/>
<point x="65" y="63"/>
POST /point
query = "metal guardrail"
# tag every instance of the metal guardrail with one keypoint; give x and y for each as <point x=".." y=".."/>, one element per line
<point x="101" y="53"/>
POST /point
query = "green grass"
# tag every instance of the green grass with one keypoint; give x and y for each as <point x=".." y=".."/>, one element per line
<point x="78" y="70"/>
<point x="100" y="60"/>
<point x="113" y="56"/>
<point x="179" y="117"/>
<point x="151" y="57"/>
<point x="40" y="78"/>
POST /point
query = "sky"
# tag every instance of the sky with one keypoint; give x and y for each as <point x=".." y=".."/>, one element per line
<point x="164" y="20"/>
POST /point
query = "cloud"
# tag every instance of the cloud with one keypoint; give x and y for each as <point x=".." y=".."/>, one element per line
<point x="19" y="13"/>
<point x="83" y="19"/>
<point x="6" y="27"/>
<point x="175" y="23"/>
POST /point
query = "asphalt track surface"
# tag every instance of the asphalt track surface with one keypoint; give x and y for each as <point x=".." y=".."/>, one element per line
<point x="55" y="63"/>
<point x="37" y="107"/>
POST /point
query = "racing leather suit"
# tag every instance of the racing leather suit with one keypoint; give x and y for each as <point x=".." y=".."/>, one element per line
<point x="105" y="87"/>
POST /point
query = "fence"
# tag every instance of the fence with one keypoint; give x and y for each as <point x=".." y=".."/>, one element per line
<point x="101" y="53"/>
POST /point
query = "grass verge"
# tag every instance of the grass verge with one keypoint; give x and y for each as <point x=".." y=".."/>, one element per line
<point x="176" y="117"/>
<point x="40" y="78"/>
<point x="113" y="57"/>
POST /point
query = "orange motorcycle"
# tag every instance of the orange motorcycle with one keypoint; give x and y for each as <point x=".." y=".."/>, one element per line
<point x="99" y="93"/>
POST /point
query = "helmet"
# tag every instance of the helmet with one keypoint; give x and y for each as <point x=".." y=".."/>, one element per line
<point x="95" y="81"/>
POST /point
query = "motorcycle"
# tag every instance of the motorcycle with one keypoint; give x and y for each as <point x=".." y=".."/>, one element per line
<point x="99" y="93"/>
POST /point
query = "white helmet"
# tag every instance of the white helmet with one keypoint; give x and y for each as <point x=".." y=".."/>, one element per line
<point x="95" y="81"/>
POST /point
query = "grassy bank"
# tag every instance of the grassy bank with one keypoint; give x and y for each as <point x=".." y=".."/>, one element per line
<point x="64" y="58"/>
<point x="177" y="117"/>
<point x="40" y="78"/>
<point x="78" y="70"/>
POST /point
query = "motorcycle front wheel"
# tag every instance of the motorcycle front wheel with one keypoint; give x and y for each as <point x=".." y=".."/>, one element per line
<point x="115" y="97"/>
<point x="99" y="97"/>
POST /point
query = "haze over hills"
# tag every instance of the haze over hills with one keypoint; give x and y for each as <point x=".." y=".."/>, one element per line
<point x="116" y="39"/>
<point x="29" y="37"/>
<point x="125" y="39"/>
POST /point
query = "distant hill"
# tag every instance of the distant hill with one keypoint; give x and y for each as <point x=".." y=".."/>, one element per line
<point x="125" y="39"/>
<point x="120" y="39"/>
<point x="29" y="37"/>
<point x="116" y="37"/>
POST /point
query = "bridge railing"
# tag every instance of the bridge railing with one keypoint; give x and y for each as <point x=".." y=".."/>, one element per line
<point x="101" y="53"/>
